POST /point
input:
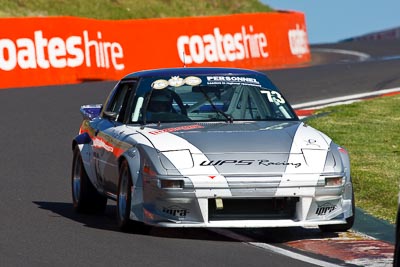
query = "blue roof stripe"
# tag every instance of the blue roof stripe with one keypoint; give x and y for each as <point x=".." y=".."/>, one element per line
<point x="191" y="71"/>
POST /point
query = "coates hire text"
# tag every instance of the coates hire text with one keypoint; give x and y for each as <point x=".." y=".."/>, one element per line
<point x="55" y="52"/>
<point x="217" y="47"/>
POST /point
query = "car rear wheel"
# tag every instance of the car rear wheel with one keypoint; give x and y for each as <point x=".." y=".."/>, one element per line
<point x="124" y="198"/>
<point x="341" y="227"/>
<point x="85" y="197"/>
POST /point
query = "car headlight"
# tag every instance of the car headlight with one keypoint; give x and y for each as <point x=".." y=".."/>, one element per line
<point x="171" y="184"/>
<point x="334" y="181"/>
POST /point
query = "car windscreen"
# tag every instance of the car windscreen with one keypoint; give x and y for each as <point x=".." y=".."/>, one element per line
<point x="208" y="98"/>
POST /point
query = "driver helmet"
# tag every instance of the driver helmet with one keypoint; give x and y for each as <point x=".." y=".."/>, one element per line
<point x="160" y="101"/>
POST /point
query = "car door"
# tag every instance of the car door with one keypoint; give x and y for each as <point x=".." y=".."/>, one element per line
<point x="107" y="145"/>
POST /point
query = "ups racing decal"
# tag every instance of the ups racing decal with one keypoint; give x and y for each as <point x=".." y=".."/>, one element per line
<point x="247" y="162"/>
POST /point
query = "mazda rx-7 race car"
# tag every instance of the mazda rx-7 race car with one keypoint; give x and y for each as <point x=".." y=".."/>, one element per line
<point x="208" y="147"/>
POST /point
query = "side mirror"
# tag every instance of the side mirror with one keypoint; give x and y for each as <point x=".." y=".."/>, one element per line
<point x="89" y="112"/>
<point x="112" y="116"/>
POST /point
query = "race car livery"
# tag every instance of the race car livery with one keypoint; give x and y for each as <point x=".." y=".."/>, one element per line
<point x="208" y="147"/>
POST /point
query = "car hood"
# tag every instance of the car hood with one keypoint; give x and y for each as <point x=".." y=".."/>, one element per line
<point x="251" y="147"/>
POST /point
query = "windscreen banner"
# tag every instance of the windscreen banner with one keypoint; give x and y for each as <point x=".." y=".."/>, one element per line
<point x="38" y="51"/>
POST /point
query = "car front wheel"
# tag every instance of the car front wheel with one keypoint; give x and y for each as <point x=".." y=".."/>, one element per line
<point x="124" y="198"/>
<point x="85" y="197"/>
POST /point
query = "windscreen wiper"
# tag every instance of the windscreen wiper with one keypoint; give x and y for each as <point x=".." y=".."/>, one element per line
<point x="227" y="117"/>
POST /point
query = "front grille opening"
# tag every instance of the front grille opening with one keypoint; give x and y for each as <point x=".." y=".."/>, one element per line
<point x="253" y="209"/>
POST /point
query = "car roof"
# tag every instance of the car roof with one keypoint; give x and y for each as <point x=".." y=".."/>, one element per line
<point x="191" y="71"/>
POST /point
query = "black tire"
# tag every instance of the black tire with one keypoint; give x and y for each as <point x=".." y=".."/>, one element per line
<point x="341" y="227"/>
<point x="85" y="197"/>
<point x="124" y="198"/>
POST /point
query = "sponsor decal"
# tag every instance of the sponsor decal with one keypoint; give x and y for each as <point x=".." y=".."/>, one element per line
<point x="99" y="143"/>
<point x="41" y="52"/>
<point x="110" y="144"/>
<point x="175" y="129"/>
<point x="284" y="163"/>
<point x="159" y="84"/>
<point x="248" y="162"/>
<point x="176" y="211"/>
<point x="233" y="80"/>
<point x="298" y="41"/>
<point x="192" y="80"/>
<point x="175" y="81"/>
<point x="219" y="47"/>
<point x="274" y="97"/>
<point x="228" y="161"/>
<point x="325" y="208"/>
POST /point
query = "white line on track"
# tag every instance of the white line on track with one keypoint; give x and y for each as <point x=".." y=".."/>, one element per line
<point x="343" y="99"/>
<point x="271" y="248"/>
<point x="361" y="56"/>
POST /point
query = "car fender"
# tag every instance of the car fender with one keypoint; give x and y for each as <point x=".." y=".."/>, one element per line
<point x="83" y="142"/>
<point x="342" y="159"/>
<point x="133" y="157"/>
<point x="342" y="155"/>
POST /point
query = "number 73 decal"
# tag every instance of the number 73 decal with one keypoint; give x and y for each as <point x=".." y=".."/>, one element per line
<point x="274" y="97"/>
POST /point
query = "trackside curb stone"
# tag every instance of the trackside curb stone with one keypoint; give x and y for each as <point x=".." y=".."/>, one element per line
<point x="374" y="227"/>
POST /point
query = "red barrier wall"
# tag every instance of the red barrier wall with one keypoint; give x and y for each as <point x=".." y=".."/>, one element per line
<point x="62" y="50"/>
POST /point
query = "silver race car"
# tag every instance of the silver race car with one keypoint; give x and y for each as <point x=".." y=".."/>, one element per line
<point x="208" y="147"/>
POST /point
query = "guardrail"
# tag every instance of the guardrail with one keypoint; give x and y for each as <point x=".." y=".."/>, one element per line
<point x="37" y="51"/>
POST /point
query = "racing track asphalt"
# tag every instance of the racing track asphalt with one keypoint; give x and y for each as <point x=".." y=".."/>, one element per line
<point x="37" y="224"/>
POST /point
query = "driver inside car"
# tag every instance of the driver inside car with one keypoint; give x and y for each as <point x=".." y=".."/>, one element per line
<point x="160" y="101"/>
<point x="160" y="107"/>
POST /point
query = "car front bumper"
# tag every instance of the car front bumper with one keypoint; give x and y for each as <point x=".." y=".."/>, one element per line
<point x="305" y="206"/>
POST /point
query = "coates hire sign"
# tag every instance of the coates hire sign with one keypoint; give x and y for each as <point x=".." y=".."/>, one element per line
<point x="63" y="50"/>
<point x="55" y="52"/>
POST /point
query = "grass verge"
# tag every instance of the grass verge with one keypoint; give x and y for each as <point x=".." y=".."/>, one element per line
<point x="128" y="9"/>
<point x="370" y="130"/>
